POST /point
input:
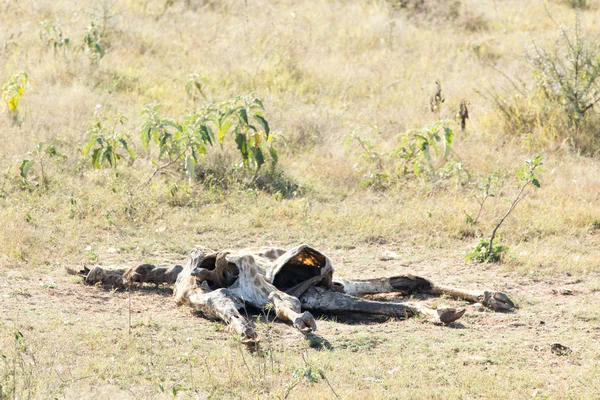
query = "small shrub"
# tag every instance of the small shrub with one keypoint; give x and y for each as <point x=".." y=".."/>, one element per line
<point x="567" y="75"/>
<point x="428" y="151"/>
<point x="39" y="154"/>
<point x="93" y="42"/>
<point x="52" y="36"/>
<point x="373" y="166"/>
<point x="187" y="140"/>
<point x="425" y="153"/>
<point x="107" y="144"/>
<point x="98" y="33"/>
<point x="485" y="250"/>
<point x="12" y="92"/>
<point x="484" y="253"/>
<point x="194" y="86"/>
<point x="558" y="105"/>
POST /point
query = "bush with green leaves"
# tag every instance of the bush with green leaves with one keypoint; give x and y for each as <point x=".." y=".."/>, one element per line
<point x="38" y="156"/>
<point x="194" y="85"/>
<point x="52" y="36"/>
<point x="107" y="144"/>
<point x="424" y="153"/>
<point x="187" y="140"/>
<point x="557" y="104"/>
<point x="373" y="166"/>
<point x="93" y="42"/>
<point x="486" y="250"/>
<point x="428" y="151"/>
<point x="12" y="92"/>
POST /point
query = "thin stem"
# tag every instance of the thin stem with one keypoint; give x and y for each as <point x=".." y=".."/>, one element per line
<point x="255" y="176"/>
<point x="129" y="291"/>
<point x="245" y="363"/>
<point x="329" y="384"/>
<point x="590" y="105"/>
<point x="480" y="209"/>
<point x="157" y="170"/>
<point x="43" y="175"/>
<point x="508" y="78"/>
<point x="519" y="197"/>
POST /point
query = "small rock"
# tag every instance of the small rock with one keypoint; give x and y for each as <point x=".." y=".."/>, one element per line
<point x="371" y="379"/>
<point x="560" y="349"/>
<point x="112" y="250"/>
<point x="389" y="255"/>
<point x="477" y="360"/>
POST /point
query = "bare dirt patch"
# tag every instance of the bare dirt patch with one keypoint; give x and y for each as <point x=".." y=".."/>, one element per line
<point x="512" y="352"/>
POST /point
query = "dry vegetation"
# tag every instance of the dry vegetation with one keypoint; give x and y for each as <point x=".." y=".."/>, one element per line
<point x="323" y="69"/>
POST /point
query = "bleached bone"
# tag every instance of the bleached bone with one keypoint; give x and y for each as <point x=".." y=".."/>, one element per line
<point x="250" y="286"/>
<point x="320" y="299"/>
<point x="293" y="282"/>
<point x="410" y="284"/>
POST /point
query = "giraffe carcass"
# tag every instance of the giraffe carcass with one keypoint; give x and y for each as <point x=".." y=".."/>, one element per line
<point x="295" y="282"/>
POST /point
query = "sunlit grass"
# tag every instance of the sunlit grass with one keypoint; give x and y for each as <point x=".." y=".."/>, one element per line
<point x="324" y="69"/>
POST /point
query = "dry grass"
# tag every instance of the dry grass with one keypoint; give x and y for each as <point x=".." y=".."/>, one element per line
<point x="324" y="69"/>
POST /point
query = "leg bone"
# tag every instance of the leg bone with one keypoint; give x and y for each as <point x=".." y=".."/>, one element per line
<point x="409" y="284"/>
<point x="330" y="301"/>
<point x="287" y="308"/>
<point x="222" y="304"/>
<point x="491" y="299"/>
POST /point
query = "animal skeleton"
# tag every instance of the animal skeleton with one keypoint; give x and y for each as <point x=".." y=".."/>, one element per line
<point x="293" y="282"/>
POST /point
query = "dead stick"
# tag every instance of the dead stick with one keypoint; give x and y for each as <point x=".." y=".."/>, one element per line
<point x="129" y="290"/>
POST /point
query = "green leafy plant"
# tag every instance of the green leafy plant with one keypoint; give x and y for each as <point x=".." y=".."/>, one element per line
<point x="428" y="150"/>
<point x="485" y="250"/>
<point x="373" y="165"/>
<point x="187" y="140"/>
<point x="244" y="118"/>
<point x="176" y="141"/>
<point x="12" y="92"/>
<point x="52" y="36"/>
<point x="96" y="40"/>
<point x="92" y="42"/>
<point x="107" y="145"/>
<point x="39" y="154"/>
<point x="193" y="86"/>
<point x="425" y="153"/>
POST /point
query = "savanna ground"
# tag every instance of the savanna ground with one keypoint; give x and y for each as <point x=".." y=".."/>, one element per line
<point x="323" y="69"/>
